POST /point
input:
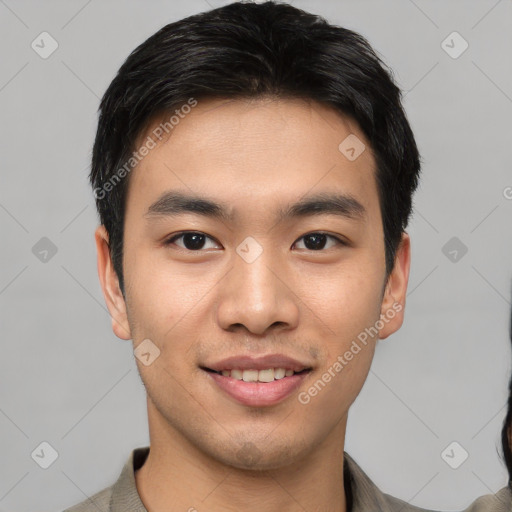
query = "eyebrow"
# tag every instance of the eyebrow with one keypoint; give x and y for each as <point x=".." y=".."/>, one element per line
<point x="173" y="203"/>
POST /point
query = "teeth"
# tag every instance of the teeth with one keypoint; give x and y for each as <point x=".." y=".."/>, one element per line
<point x="250" y="375"/>
<point x="236" y="374"/>
<point x="266" y="375"/>
<point x="258" y="376"/>
<point x="279" y="373"/>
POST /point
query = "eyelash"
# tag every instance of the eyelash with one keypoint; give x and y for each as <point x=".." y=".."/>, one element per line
<point x="171" y="240"/>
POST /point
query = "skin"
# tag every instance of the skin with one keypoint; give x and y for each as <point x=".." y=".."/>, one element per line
<point x="207" y="450"/>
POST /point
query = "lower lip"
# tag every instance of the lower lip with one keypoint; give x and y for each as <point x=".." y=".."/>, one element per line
<point x="258" y="394"/>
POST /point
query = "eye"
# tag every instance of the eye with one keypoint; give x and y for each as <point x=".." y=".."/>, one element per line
<point x="192" y="240"/>
<point x="195" y="241"/>
<point x="317" y="241"/>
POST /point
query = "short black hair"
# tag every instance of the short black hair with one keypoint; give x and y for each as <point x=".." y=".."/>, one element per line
<point x="506" y="431"/>
<point x="248" y="50"/>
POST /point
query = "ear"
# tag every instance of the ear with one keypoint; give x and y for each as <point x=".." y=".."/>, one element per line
<point x="393" y="301"/>
<point x="110" y="286"/>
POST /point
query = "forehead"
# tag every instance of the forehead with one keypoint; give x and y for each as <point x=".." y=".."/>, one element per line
<point x="254" y="153"/>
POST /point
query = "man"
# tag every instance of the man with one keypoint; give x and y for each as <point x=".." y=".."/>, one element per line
<point x="253" y="170"/>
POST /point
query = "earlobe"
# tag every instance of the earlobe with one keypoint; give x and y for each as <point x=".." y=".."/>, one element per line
<point x="393" y="302"/>
<point x="110" y="285"/>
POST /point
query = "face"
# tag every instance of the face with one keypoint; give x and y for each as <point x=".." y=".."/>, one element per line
<point x="284" y="271"/>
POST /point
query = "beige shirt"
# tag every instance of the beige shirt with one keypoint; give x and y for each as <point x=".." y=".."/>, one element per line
<point x="362" y="494"/>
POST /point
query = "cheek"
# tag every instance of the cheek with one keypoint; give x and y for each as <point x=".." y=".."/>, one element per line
<point x="336" y="384"/>
<point x="328" y="397"/>
<point x="346" y="312"/>
<point x="163" y="297"/>
<point x="346" y="301"/>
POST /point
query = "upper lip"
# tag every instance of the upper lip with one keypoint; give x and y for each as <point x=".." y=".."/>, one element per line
<point x="245" y="362"/>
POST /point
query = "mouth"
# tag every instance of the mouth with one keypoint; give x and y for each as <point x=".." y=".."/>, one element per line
<point x="257" y="387"/>
<point x="254" y="375"/>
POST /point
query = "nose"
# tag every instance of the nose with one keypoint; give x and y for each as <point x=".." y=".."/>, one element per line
<point x="257" y="297"/>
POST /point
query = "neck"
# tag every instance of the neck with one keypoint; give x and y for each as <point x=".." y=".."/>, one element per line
<point x="177" y="476"/>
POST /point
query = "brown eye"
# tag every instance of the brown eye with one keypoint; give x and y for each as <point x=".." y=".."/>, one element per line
<point x="191" y="240"/>
<point x="318" y="241"/>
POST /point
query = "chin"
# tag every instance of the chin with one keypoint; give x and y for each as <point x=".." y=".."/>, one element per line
<point x="259" y="456"/>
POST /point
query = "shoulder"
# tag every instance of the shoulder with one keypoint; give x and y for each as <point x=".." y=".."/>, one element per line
<point x="499" y="502"/>
<point x="99" y="502"/>
<point x="122" y="494"/>
<point x="398" y="505"/>
<point x="363" y="495"/>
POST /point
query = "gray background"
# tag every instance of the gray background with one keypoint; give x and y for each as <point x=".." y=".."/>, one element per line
<point x="67" y="380"/>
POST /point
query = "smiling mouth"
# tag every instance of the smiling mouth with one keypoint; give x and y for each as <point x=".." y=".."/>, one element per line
<point x="253" y="375"/>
